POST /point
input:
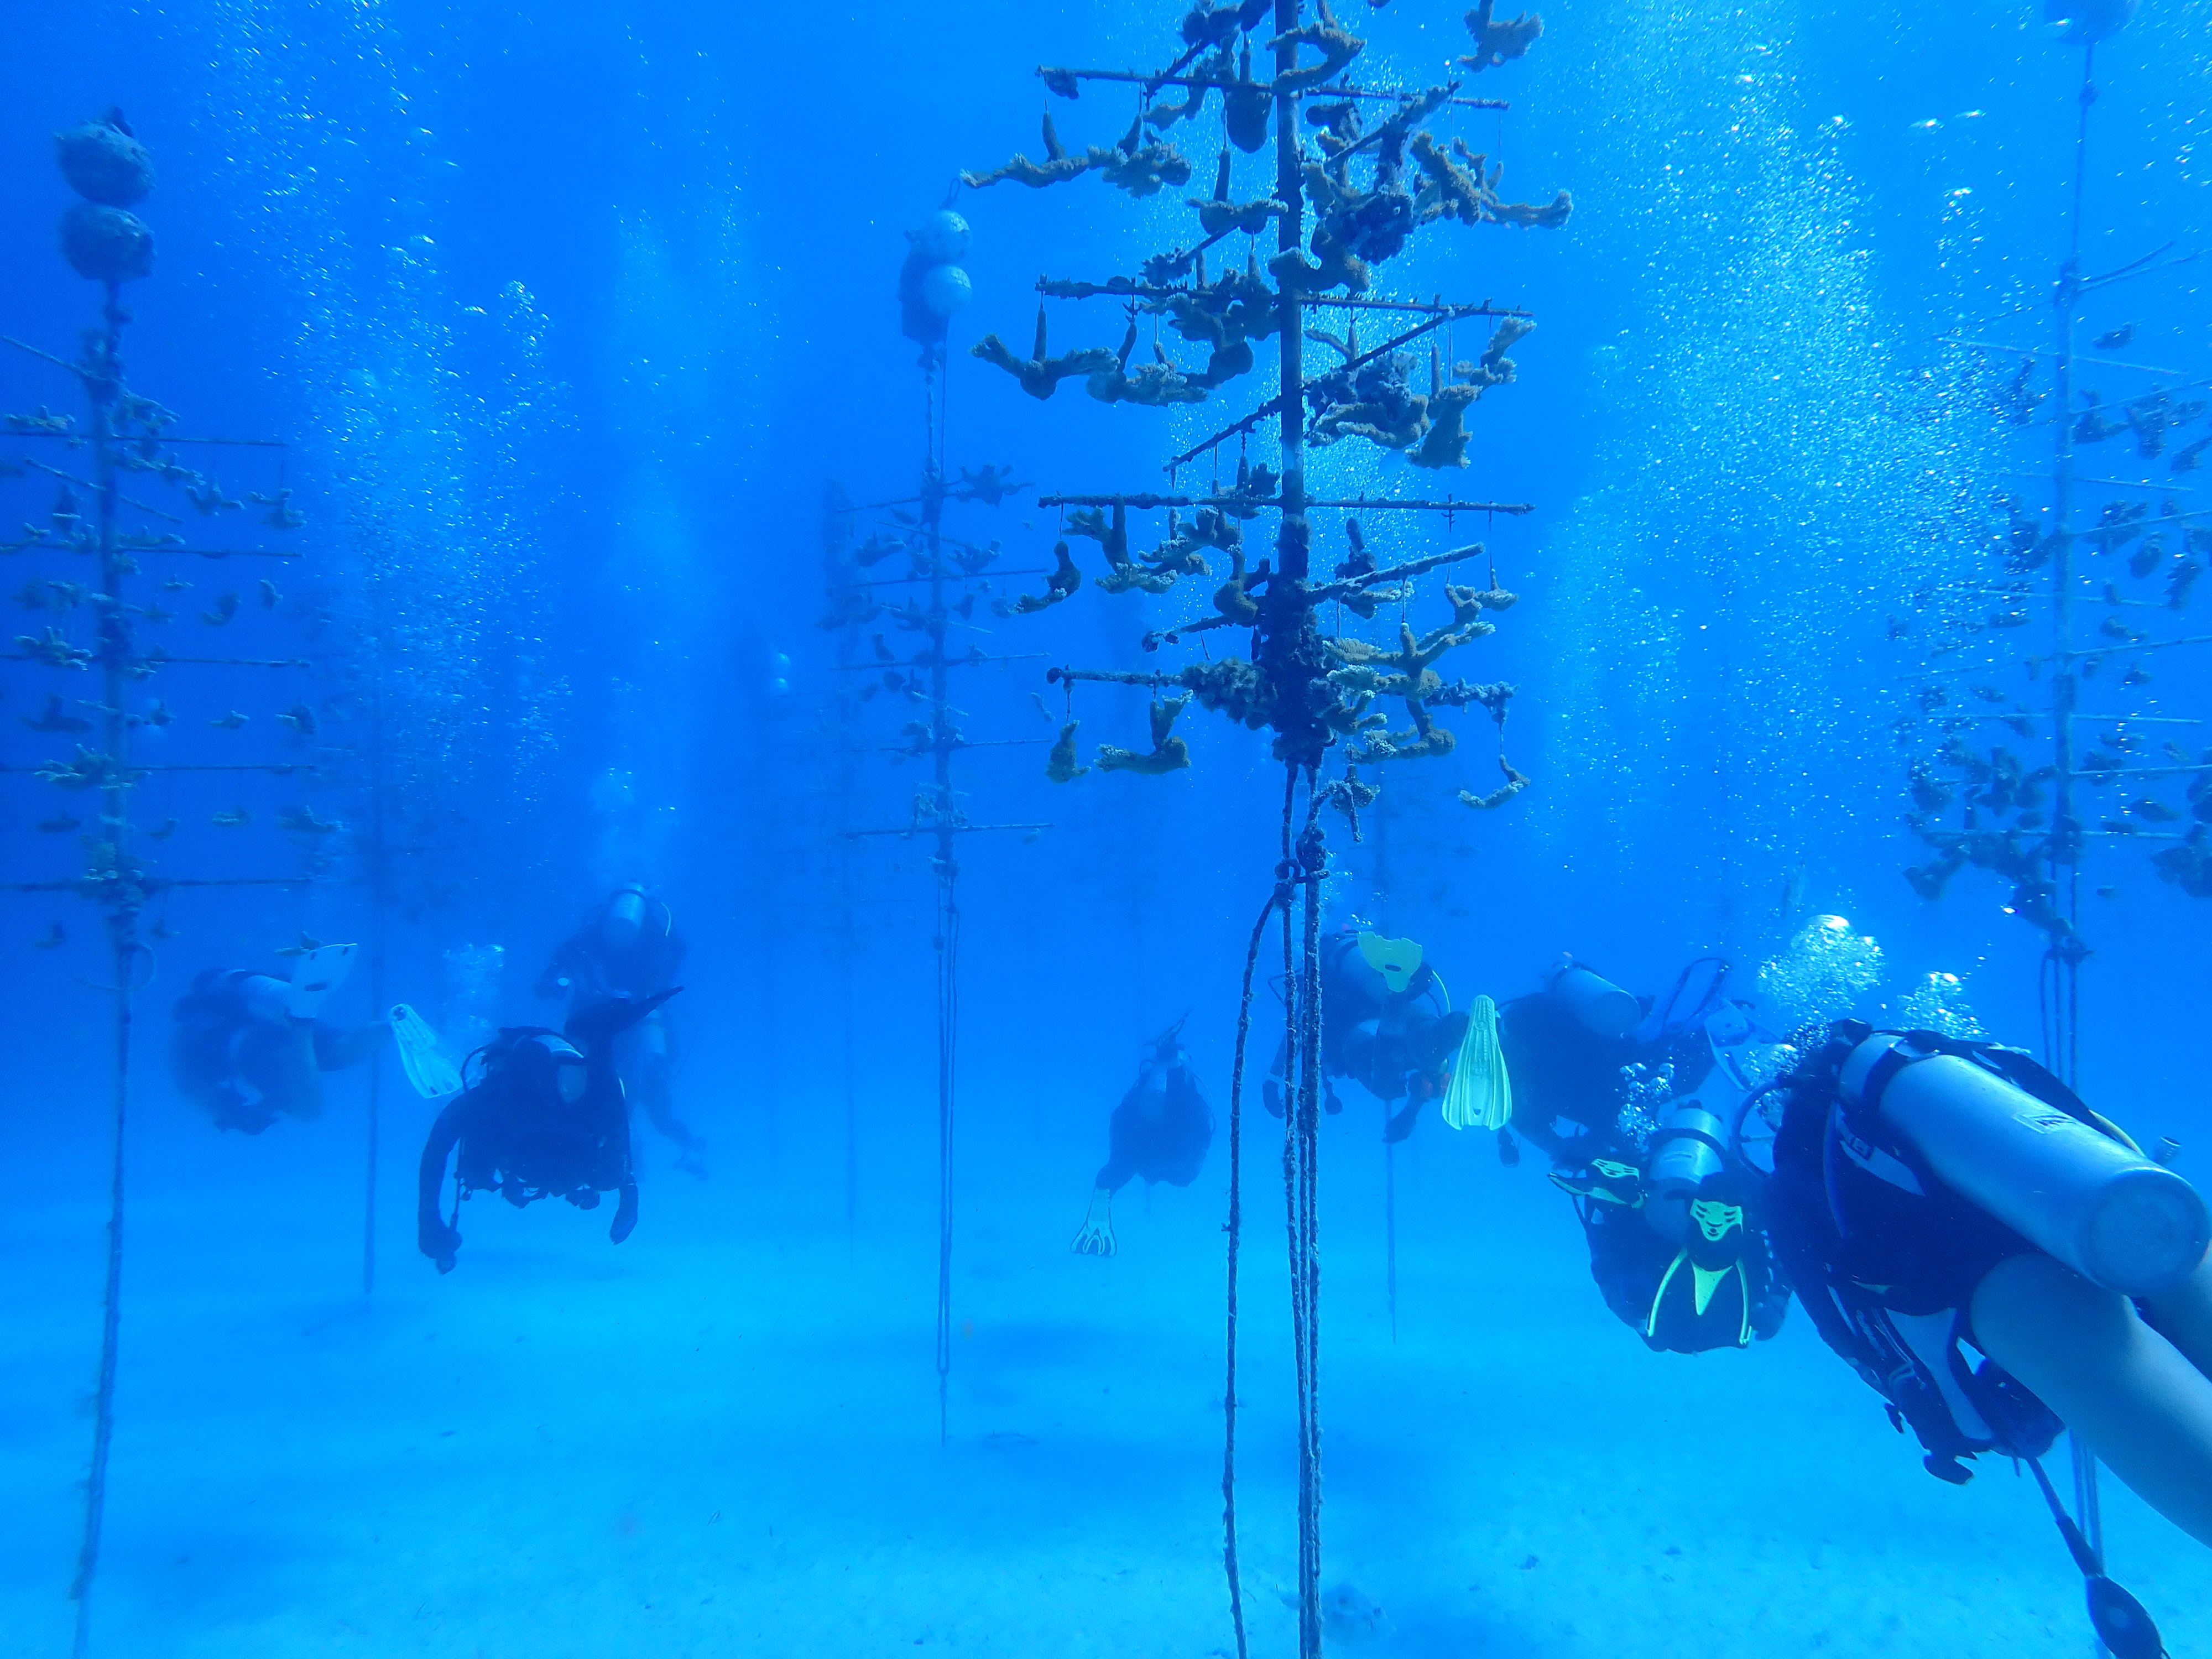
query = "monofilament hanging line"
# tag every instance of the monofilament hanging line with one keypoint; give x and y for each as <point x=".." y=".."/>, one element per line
<point x="103" y="383"/>
<point x="948" y="1033"/>
<point x="947" y="871"/>
<point x="1302" y="1183"/>
<point x="1278" y="899"/>
<point x="111" y="1324"/>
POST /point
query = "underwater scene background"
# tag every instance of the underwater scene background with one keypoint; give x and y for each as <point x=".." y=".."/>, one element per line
<point x="570" y="339"/>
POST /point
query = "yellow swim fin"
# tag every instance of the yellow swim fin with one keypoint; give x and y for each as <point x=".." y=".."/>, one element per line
<point x="1396" y="959"/>
<point x="1481" y="1094"/>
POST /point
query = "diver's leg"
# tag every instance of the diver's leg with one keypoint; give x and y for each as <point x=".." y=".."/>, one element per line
<point x="299" y="1089"/>
<point x="656" y="1093"/>
<point x="2182" y="1316"/>
<point x="1096" y="1236"/>
<point x="2126" y="1390"/>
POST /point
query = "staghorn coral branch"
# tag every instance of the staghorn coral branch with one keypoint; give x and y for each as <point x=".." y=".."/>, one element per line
<point x="1396" y="572"/>
<point x="1051" y="71"/>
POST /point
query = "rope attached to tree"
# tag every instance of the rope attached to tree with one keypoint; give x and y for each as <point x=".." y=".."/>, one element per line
<point x="1279" y="899"/>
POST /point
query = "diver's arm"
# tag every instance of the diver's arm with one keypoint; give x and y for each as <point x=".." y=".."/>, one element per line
<point x="560" y="970"/>
<point x="1560" y="1149"/>
<point x="432" y="1237"/>
<point x="2131" y="1394"/>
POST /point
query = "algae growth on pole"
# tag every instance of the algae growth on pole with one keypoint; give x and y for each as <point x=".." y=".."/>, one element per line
<point x="127" y="446"/>
<point x="943" y="577"/>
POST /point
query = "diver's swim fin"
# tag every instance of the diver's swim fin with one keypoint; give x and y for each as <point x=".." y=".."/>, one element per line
<point x="1096" y="1236"/>
<point x="1704" y="1300"/>
<point x="430" y="1072"/>
<point x="1481" y="1094"/>
<point x="315" y="974"/>
<point x="609" y="1018"/>
<point x="1699" y="1309"/>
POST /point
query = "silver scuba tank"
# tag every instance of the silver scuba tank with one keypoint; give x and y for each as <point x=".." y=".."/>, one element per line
<point x="1689" y="1146"/>
<point x="2113" y="1216"/>
<point x="1683" y="1154"/>
<point x="1602" y="1007"/>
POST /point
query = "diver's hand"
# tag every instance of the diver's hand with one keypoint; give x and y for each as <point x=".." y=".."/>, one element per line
<point x="1096" y="1236"/>
<point x="438" y="1242"/>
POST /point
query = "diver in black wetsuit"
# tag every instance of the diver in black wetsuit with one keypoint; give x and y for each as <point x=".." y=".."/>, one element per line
<point x="1385" y="1025"/>
<point x="543" y="1118"/>
<point x="629" y="948"/>
<point x="1160" y="1131"/>
<point x="1631" y="1100"/>
<point x="247" y="1048"/>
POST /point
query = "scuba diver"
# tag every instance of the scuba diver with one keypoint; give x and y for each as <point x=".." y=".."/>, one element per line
<point x="543" y="1118"/>
<point x="1160" y="1131"/>
<point x="629" y="948"/>
<point x="1386" y="1025"/>
<point x="1930" y="1195"/>
<point x="1631" y="1098"/>
<point x="249" y="1048"/>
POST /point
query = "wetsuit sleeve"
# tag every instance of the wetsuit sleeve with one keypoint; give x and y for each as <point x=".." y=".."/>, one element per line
<point x="563" y="964"/>
<point x="435" y="1239"/>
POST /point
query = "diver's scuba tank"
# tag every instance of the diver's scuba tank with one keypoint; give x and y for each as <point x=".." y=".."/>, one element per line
<point x="1689" y="1149"/>
<point x="1602" y="1008"/>
<point x="2092" y="1201"/>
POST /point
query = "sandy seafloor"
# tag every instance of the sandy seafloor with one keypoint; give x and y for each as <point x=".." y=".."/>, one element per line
<point x="719" y="1439"/>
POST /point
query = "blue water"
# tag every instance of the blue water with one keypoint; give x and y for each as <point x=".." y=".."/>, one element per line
<point x="567" y="317"/>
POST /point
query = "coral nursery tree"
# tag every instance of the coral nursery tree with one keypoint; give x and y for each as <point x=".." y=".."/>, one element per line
<point x="99" y="663"/>
<point x="2033" y="764"/>
<point x="1353" y="172"/>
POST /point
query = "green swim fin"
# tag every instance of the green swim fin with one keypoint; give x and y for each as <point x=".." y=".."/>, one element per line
<point x="430" y="1072"/>
<point x="1481" y="1094"/>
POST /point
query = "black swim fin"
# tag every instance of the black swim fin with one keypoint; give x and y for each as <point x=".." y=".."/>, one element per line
<point x="1696" y="1308"/>
<point x="1704" y="1299"/>
<point x="602" y="1020"/>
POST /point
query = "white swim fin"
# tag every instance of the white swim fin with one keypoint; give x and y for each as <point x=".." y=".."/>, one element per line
<point x="315" y="974"/>
<point x="430" y="1071"/>
<point x="1481" y="1094"/>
